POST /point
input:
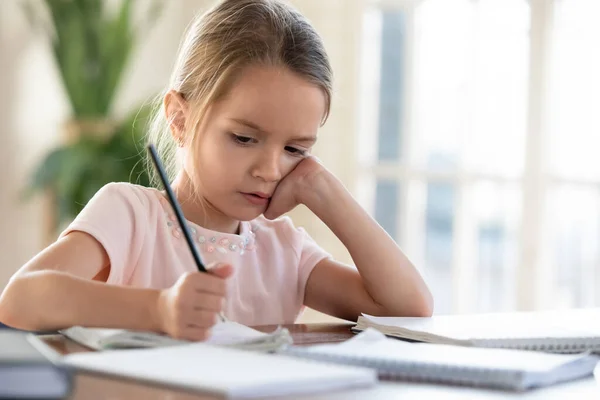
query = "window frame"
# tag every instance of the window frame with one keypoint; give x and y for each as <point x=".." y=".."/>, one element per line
<point x="535" y="276"/>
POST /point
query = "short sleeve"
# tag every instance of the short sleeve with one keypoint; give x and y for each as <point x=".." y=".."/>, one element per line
<point x="310" y="255"/>
<point x="115" y="218"/>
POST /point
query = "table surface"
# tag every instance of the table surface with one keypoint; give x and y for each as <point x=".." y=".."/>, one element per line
<point x="89" y="386"/>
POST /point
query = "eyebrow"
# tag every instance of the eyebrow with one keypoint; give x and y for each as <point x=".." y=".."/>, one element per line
<point x="251" y="125"/>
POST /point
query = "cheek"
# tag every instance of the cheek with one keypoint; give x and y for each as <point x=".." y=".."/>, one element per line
<point x="205" y="163"/>
<point x="211" y="152"/>
<point x="288" y="164"/>
<point x="220" y="163"/>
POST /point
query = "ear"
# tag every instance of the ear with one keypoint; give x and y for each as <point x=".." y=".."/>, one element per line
<point x="176" y="112"/>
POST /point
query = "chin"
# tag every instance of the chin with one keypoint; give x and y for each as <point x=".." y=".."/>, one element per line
<point x="242" y="214"/>
<point x="237" y="210"/>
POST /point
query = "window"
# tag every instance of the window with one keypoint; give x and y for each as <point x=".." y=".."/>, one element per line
<point x="483" y="162"/>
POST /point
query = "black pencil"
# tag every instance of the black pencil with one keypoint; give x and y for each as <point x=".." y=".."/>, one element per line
<point x="178" y="213"/>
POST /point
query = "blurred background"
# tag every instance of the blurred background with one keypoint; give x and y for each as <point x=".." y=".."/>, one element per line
<point x="468" y="128"/>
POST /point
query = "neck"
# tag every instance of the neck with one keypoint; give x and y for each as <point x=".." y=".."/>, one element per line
<point x="199" y="210"/>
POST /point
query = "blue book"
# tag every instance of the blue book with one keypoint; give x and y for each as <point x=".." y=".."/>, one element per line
<point x="29" y="369"/>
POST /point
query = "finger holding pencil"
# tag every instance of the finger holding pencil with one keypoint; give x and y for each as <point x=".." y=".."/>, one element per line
<point x="204" y="290"/>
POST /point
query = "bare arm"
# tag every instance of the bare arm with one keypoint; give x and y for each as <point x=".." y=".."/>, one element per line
<point x="64" y="286"/>
<point x="386" y="282"/>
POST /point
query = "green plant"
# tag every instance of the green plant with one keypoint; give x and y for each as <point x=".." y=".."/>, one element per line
<point x="72" y="173"/>
<point x="92" y="45"/>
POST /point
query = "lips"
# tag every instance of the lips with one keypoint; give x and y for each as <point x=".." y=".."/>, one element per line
<point x="257" y="198"/>
<point x="261" y="194"/>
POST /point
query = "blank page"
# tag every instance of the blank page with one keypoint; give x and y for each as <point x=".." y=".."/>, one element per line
<point x="234" y="373"/>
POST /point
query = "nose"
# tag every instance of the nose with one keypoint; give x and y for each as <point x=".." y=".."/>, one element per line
<point x="267" y="167"/>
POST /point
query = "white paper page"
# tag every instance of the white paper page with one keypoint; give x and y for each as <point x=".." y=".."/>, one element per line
<point x="223" y="333"/>
<point x="236" y="373"/>
<point x="229" y="332"/>
<point x="91" y="337"/>
<point x="577" y="323"/>
<point x="373" y="344"/>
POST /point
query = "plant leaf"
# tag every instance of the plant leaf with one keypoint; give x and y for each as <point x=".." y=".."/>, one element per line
<point x="115" y="51"/>
<point x="46" y="172"/>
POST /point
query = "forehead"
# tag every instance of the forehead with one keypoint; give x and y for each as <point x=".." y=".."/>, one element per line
<point x="276" y="99"/>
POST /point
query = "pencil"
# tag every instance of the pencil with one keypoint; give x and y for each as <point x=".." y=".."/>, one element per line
<point x="178" y="213"/>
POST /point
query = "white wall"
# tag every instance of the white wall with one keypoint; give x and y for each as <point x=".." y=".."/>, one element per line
<point x="34" y="106"/>
<point x="31" y="106"/>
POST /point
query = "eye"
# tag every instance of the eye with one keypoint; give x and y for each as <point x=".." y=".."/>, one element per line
<point x="243" y="140"/>
<point x="295" y="151"/>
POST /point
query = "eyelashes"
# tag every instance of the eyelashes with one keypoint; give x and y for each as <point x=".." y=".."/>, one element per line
<point x="244" y="140"/>
<point x="248" y="141"/>
<point x="295" y="151"/>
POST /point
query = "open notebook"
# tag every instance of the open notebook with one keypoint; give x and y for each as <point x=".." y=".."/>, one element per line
<point x="232" y="373"/>
<point x="568" y="331"/>
<point x="494" y="368"/>
<point x="228" y="333"/>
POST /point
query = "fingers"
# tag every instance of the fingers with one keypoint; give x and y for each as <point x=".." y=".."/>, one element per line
<point x="192" y="323"/>
<point x="222" y="271"/>
<point x="207" y="282"/>
<point x="196" y="318"/>
<point x="202" y="319"/>
<point x="274" y="210"/>
<point x="191" y="307"/>
<point x="208" y="302"/>
<point x="192" y="333"/>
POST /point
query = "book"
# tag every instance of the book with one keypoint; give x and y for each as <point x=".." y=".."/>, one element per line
<point x="226" y="333"/>
<point x="568" y="331"/>
<point x="508" y="369"/>
<point x="29" y="369"/>
<point x="228" y="372"/>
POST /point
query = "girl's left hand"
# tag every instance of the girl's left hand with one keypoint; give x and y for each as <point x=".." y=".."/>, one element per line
<point x="294" y="188"/>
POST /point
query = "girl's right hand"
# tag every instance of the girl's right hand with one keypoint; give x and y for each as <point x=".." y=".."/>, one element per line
<point x="190" y="308"/>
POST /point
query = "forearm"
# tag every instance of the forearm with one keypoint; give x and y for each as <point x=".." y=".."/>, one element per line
<point x="47" y="300"/>
<point x="387" y="274"/>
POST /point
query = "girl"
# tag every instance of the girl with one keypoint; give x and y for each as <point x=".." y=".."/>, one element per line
<point x="251" y="86"/>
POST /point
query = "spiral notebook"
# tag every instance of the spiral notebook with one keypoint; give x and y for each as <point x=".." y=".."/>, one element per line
<point x="507" y="369"/>
<point x="565" y="331"/>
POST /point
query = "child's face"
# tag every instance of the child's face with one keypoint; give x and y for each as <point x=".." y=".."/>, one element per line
<point x="254" y="137"/>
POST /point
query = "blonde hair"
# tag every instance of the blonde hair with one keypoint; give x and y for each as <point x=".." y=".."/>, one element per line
<point x="235" y="34"/>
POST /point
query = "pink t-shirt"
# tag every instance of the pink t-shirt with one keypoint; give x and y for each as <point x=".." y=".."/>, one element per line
<point x="139" y="231"/>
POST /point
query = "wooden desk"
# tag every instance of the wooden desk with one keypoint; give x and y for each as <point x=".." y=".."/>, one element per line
<point x="89" y="386"/>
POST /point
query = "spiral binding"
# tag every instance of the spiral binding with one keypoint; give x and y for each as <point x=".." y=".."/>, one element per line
<point x="551" y="345"/>
<point x="425" y="373"/>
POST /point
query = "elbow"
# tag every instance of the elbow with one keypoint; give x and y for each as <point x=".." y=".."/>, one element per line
<point x="425" y="306"/>
<point x="8" y="315"/>
<point x="421" y="311"/>
<point x="425" y="310"/>
<point x="13" y="309"/>
<point x="419" y="305"/>
<point x="422" y="306"/>
<point x="9" y="318"/>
